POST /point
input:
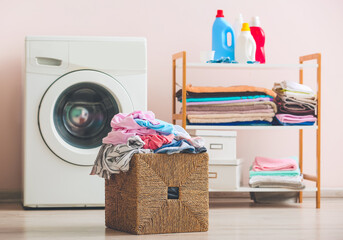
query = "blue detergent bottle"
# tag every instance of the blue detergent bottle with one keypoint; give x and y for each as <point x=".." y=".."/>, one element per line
<point x="220" y="30"/>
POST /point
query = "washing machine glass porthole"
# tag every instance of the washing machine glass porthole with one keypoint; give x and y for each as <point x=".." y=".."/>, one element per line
<point x="83" y="113"/>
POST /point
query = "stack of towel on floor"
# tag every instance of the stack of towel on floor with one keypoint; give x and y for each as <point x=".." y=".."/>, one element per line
<point x="141" y="132"/>
<point x="235" y="105"/>
<point x="283" y="173"/>
<point x="296" y="103"/>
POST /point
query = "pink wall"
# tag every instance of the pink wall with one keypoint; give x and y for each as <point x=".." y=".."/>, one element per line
<point x="293" y="28"/>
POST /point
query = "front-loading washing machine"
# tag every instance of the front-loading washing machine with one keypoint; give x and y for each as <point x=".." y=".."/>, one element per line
<point x="73" y="87"/>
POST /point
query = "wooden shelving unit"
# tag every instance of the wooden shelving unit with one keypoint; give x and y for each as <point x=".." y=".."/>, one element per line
<point x="303" y="64"/>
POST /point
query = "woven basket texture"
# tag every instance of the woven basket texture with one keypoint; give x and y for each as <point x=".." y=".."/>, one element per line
<point x="137" y="201"/>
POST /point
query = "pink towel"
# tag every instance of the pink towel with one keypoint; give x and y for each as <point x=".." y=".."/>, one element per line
<point x="289" y="118"/>
<point x="269" y="164"/>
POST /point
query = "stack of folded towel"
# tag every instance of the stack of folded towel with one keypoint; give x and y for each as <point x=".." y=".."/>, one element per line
<point x="296" y="103"/>
<point x="141" y="132"/>
<point x="235" y="105"/>
<point x="283" y="173"/>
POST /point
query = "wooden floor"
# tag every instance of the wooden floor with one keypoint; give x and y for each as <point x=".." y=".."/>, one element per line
<point x="228" y="220"/>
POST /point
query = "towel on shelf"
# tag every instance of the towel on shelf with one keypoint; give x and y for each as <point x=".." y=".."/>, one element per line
<point x="217" y="99"/>
<point x="289" y="118"/>
<point x="215" y="94"/>
<point x="295" y="106"/>
<point x="231" y="101"/>
<point x="273" y="164"/>
<point x="243" y="88"/>
<point x="240" y="123"/>
<point x="233" y="106"/>
<point x="221" y="118"/>
<point x="296" y="87"/>
<point x="294" y="182"/>
<point x="231" y="112"/>
<point x="274" y="173"/>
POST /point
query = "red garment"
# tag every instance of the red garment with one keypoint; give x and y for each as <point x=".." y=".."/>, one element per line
<point x="156" y="141"/>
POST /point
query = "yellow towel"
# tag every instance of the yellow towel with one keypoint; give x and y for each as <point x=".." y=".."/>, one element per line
<point x="241" y="88"/>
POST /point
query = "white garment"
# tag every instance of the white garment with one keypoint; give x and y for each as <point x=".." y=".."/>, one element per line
<point x="181" y="133"/>
<point x="112" y="159"/>
<point x="297" y="87"/>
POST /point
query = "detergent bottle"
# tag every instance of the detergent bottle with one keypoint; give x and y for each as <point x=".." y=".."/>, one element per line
<point x="246" y="46"/>
<point x="238" y="25"/>
<point x="220" y="30"/>
<point x="259" y="36"/>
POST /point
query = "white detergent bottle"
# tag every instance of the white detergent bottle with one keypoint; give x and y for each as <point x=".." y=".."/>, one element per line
<point x="238" y="25"/>
<point x="246" y="46"/>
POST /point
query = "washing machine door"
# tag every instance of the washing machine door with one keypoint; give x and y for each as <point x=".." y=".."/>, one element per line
<point x="76" y="111"/>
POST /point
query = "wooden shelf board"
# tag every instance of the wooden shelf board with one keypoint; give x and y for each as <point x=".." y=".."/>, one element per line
<point x="249" y="189"/>
<point x="248" y="66"/>
<point x="215" y="127"/>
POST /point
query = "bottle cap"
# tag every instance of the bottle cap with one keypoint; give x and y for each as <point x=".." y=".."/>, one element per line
<point x="220" y="13"/>
<point x="245" y="27"/>
<point x="255" y="22"/>
<point x="240" y="17"/>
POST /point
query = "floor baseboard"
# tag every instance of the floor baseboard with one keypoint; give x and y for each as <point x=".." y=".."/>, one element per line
<point x="16" y="196"/>
<point x="10" y="196"/>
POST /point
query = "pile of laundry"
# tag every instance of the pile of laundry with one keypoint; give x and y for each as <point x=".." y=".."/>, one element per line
<point x="296" y="103"/>
<point x="235" y="105"/>
<point x="282" y="173"/>
<point x="141" y="132"/>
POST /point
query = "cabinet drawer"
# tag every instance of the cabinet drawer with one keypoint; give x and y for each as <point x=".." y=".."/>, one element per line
<point x="220" y="148"/>
<point x="224" y="177"/>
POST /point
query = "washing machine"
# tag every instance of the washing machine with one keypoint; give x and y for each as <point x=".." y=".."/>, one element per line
<point x="73" y="87"/>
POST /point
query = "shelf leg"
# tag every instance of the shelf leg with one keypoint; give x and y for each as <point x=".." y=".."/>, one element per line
<point x="174" y="90"/>
<point x="318" y="129"/>
<point x="301" y="160"/>
<point x="318" y="57"/>
<point x="184" y="84"/>
<point x="301" y="80"/>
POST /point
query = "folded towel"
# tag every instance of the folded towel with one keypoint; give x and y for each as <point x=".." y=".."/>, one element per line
<point x="295" y="182"/>
<point x="215" y="94"/>
<point x="269" y="164"/>
<point x="234" y="106"/>
<point x="209" y="112"/>
<point x="214" y="99"/>
<point x="295" y="106"/>
<point x="190" y="88"/>
<point x="274" y="173"/>
<point x="194" y="119"/>
<point x="264" y="99"/>
<point x="240" y="123"/>
<point x="288" y="118"/>
<point x="297" y="87"/>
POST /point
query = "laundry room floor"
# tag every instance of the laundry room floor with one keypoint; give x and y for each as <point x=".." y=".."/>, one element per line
<point x="229" y="219"/>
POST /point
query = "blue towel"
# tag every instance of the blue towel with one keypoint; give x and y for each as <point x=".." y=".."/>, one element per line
<point x="226" y="98"/>
<point x="163" y="127"/>
<point x="247" y="123"/>
<point x="296" y="124"/>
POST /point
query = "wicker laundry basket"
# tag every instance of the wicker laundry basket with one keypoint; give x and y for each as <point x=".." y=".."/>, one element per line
<point x="138" y="201"/>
